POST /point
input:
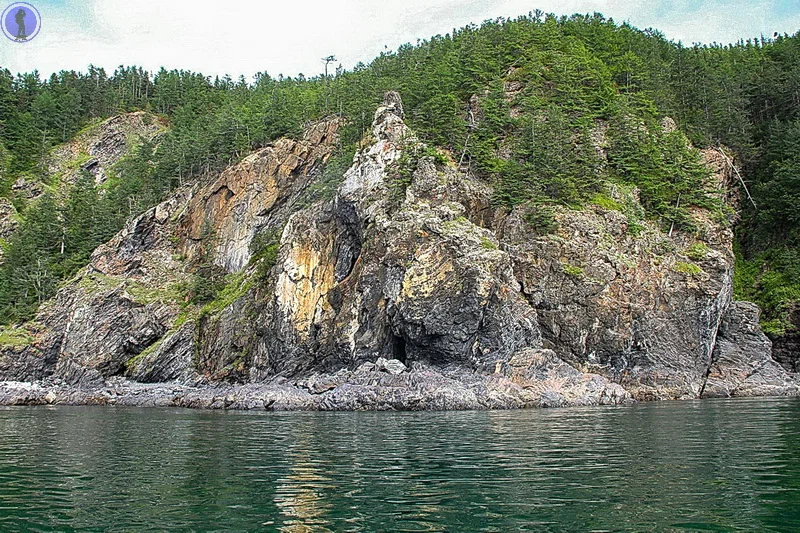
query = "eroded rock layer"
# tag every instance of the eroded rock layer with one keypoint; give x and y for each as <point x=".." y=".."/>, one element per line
<point x="407" y="290"/>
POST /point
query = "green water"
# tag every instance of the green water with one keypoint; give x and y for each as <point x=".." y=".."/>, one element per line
<point x="691" y="466"/>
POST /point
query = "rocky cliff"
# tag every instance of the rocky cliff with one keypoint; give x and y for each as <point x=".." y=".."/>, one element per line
<point x="407" y="290"/>
<point x="786" y="349"/>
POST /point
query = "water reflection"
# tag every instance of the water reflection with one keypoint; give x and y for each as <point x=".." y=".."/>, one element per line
<point x="300" y="496"/>
<point x="713" y="465"/>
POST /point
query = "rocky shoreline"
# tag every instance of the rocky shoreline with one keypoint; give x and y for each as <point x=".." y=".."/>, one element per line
<point x="535" y="379"/>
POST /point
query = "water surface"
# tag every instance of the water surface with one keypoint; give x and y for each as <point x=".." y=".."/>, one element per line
<point x="682" y="466"/>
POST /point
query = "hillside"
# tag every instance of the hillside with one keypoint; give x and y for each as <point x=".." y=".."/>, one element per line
<point x="406" y="290"/>
<point x="555" y="214"/>
<point x="71" y="203"/>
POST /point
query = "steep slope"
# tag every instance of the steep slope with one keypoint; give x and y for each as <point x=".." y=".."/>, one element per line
<point x="95" y="150"/>
<point x="100" y="147"/>
<point x="407" y="290"/>
<point x="520" y="100"/>
<point x="786" y="349"/>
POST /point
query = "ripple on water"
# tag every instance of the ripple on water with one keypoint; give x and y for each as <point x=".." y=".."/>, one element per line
<point x="691" y="466"/>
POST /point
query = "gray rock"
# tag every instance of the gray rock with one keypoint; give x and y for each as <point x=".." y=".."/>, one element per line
<point x="549" y="378"/>
<point x="393" y="101"/>
<point x="786" y="348"/>
<point x="171" y="359"/>
<point x="742" y="363"/>
<point x="619" y="303"/>
<point x="102" y="146"/>
<point x="25" y="364"/>
<point x="89" y="332"/>
<point x="420" y="388"/>
<point x="390" y="366"/>
<point x="8" y="219"/>
<point x="27" y="189"/>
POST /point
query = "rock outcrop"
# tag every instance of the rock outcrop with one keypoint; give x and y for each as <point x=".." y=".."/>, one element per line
<point x="407" y="290"/>
<point x="256" y="196"/>
<point x="100" y="147"/>
<point x="742" y="364"/>
<point x="786" y="348"/>
<point x="634" y="308"/>
<point x="8" y="221"/>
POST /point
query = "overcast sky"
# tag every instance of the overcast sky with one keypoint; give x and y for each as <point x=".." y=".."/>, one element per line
<point x="290" y="36"/>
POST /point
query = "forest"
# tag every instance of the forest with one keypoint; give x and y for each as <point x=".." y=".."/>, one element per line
<point x="568" y="74"/>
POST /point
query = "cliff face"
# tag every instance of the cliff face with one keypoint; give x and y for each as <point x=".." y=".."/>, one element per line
<point x="406" y="290"/>
<point x="786" y="349"/>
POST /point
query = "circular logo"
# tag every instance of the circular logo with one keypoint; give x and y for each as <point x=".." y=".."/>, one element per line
<point x="21" y="22"/>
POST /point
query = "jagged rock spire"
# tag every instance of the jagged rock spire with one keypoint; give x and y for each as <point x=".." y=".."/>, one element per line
<point x="392" y="101"/>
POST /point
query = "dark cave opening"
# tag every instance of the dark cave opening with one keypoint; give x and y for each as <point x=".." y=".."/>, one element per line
<point x="399" y="348"/>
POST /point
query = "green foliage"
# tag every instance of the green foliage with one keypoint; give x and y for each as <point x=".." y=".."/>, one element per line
<point x="324" y="187"/>
<point x="234" y="287"/>
<point x="541" y="218"/>
<point x="401" y="175"/>
<point x="572" y="270"/>
<point x="772" y="280"/>
<point x="37" y="114"/>
<point x="143" y="294"/>
<point x="690" y="269"/>
<point x="487" y="244"/>
<point x="606" y="202"/>
<point x="697" y="251"/>
<point x="625" y="202"/>
<point x="134" y="361"/>
<point x="436" y="155"/>
<point x="778" y="189"/>
<point x="14" y="337"/>
<point x="456" y="222"/>
<point x="82" y="158"/>
<point x="264" y="253"/>
<point x="667" y="171"/>
<point x="552" y="158"/>
<point x="139" y="292"/>
<point x="54" y="240"/>
<point x="206" y="283"/>
<point x="401" y="172"/>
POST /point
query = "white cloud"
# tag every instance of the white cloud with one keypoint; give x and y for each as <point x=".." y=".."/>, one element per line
<point x="248" y="36"/>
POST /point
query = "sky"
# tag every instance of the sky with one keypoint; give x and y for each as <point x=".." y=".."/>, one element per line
<point x="291" y="36"/>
